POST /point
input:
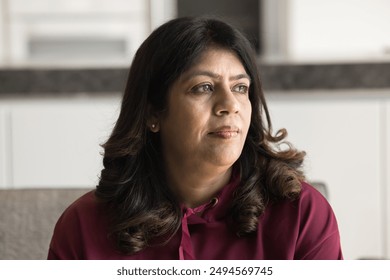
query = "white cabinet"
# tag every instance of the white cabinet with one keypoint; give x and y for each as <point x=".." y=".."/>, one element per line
<point x="387" y="174"/>
<point x="3" y="149"/>
<point x="342" y="139"/>
<point x="56" y="143"/>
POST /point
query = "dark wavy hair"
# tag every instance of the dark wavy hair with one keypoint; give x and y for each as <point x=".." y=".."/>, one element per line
<point x="142" y="209"/>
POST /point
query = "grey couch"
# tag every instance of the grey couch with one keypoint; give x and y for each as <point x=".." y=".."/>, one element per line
<point x="27" y="219"/>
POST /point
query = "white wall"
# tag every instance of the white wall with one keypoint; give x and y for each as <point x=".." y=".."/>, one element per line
<point x="93" y="32"/>
<point x="101" y="31"/>
<point x="2" y="29"/>
<point x="162" y="11"/>
<point x="338" y="29"/>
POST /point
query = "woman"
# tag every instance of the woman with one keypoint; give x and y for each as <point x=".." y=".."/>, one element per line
<point x="192" y="169"/>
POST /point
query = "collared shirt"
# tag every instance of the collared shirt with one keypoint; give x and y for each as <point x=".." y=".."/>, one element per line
<point x="305" y="228"/>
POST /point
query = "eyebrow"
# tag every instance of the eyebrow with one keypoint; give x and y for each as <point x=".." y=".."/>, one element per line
<point x="216" y="76"/>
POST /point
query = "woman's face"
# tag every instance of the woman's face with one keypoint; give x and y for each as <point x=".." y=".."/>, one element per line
<point x="209" y="112"/>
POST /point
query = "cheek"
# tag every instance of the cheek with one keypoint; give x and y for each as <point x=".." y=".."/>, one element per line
<point x="247" y="114"/>
<point x="186" y="119"/>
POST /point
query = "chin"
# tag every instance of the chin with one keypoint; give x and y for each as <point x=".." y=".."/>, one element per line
<point x="222" y="155"/>
<point x="225" y="161"/>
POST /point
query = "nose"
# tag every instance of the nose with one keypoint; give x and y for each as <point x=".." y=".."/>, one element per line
<point x="225" y="102"/>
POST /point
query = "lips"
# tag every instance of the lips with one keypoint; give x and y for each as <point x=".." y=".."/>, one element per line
<point x="225" y="132"/>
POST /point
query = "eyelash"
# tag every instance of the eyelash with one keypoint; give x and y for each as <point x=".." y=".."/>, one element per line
<point x="246" y="88"/>
<point x="202" y="88"/>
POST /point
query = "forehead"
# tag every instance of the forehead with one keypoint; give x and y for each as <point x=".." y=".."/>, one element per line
<point x="215" y="62"/>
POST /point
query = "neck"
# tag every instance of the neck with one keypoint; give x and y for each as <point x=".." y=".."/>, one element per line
<point x="196" y="186"/>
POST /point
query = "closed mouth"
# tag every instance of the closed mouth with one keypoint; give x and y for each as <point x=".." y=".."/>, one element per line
<point x="225" y="132"/>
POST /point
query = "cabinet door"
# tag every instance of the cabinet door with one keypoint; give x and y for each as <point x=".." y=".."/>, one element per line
<point x="57" y="143"/>
<point x="3" y="149"/>
<point x="341" y="138"/>
<point x="387" y="176"/>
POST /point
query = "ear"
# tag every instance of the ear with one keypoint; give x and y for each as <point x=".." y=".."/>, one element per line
<point x="153" y="119"/>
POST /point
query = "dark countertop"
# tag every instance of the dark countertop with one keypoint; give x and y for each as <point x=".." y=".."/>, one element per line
<point x="93" y="80"/>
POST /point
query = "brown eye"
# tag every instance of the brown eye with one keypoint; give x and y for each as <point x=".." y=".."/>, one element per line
<point x="204" y="88"/>
<point x="241" y="89"/>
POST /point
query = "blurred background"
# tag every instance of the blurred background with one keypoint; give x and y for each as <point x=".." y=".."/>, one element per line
<point x="325" y="67"/>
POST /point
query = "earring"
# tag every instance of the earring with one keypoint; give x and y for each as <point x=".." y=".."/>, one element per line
<point x="154" y="127"/>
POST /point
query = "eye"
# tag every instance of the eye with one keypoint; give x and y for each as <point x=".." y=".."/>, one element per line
<point x="241" y="88"/>
<point x="203" y="88"/>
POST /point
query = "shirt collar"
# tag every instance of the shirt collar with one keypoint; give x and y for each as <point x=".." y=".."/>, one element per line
<point x="218" y="206"/>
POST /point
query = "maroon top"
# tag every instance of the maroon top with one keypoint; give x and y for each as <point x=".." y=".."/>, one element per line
<point x="303" y="229"/>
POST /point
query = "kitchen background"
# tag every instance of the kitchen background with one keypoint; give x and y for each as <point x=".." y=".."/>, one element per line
<point x="326" y="72"/>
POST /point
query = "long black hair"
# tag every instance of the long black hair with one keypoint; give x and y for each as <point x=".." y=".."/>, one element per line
<point x="132" y="182"/>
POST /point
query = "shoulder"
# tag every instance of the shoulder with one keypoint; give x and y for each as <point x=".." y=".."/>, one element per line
<point x="309" y="202"/>
<point x="314" y="209"/>
<point x="311" y="199"/>
<point x="82" y="209"/>
<point x="87" y="203"/>
<point x="304" y="228"/>
<point x="318" y="236"/>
